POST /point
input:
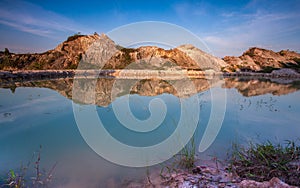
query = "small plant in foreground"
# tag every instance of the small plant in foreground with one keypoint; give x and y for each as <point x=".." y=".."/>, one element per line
<point x="187" y="155"/>
<point x="261" y="162"/>
<point x="185" y="159"/>
<point x="18" y="179"/>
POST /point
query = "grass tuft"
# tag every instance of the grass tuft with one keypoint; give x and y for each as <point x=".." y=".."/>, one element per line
<point x="19" y="178"/>
<point x="261" y="162"/>
<point x="187" y="155"/>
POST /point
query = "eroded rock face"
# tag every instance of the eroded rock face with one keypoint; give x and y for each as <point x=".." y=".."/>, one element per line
<point x="65" y="56"/>
<point x="258" y="59"/>
<point x="93" y="48"/>
<point x="204" y="60"/>
<point x="100" y="52"/>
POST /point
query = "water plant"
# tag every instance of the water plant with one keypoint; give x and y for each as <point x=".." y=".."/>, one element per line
<point x="263" y="161"/>
<point x="19" y="178"/>
<point x="188" y="155"/>
<point x="184" y="160"/>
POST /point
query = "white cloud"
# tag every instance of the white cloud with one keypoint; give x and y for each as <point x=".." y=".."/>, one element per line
<point x="258" y="29"/>
<point x="30" y="18"/>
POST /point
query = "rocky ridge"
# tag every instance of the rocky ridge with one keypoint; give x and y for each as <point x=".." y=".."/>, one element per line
<point x="262" y="60"/>
<point x="100" y="52"/>
<point x="65" y="56"/>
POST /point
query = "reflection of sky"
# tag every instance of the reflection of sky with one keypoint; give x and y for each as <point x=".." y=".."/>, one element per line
<point x="256" y="119"/>
<point x="27" y="107"/>
<point x="41" y="116"/>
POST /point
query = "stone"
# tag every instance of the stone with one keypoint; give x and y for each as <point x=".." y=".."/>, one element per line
<point x="273" y="183"/>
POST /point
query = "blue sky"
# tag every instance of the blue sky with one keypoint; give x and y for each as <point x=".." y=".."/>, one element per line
<point x="227" y="27"/>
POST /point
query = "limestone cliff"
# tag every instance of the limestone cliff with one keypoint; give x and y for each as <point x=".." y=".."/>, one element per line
<point x="205" y="61"/>
<point x="65" y="56"/>
<point x="262" y="60"/>
<point x="99" y="51"/>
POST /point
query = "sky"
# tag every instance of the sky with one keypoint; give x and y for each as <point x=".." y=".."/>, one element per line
<point x="226" y="27"/>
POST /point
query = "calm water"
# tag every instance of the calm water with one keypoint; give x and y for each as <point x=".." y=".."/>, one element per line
<point x="34" y="114"/>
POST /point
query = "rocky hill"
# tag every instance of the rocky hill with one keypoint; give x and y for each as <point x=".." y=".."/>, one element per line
<point x="65" y="56"/>
<point x="262" y="60"/>
<point x="204" y="60"/>
<point x="99" y="51"/>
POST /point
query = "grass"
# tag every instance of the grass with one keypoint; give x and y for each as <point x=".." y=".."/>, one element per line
<point x="184" y="160"/>
<point x="19" y="178"/>
<point x="261" y="162"/>
<point x="188" y="155"/>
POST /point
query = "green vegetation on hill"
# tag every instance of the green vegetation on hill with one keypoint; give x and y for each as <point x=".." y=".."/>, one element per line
<point x="74" y="37"/>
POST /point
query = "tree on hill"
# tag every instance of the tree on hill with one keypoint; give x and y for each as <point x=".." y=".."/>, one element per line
<point x="6" y="51"/>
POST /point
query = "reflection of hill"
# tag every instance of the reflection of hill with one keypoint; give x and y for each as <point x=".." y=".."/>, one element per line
<point x="260" y="87"/>
<point x="107" y="89"/>
<point x="63" y="86"/>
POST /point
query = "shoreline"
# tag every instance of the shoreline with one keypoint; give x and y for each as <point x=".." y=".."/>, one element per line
<point x="136" y="74"/>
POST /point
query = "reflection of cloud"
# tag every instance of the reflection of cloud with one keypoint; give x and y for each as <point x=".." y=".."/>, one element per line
<point x="27" y="108"/>
<point x="31" y="18"/>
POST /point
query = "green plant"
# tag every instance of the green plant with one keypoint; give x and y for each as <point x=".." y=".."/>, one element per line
<point x="18" y="178"/>
<point x="74" y="37"/>
<point x="297" y="60"/>
<point x="6" y="51"/>
<point x="185" y="159"/>
<point x="232" y="69"/>
<point x="282" y="52"/>
<point x="4" y="62"/>
<point x="119" y="47"/>
<point x="187" y="155"/>
<point x="37" y="65"/>
<point x="261" y="162"/>
<point x="267" y="69"/>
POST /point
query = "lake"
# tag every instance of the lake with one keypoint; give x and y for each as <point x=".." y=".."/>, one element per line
<point x="42" y="114"/>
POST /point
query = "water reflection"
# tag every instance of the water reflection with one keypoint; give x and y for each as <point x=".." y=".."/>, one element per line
<point x="40" y="113"/>
<point x="254" y="87"/>
<point x="154" y="87"/>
